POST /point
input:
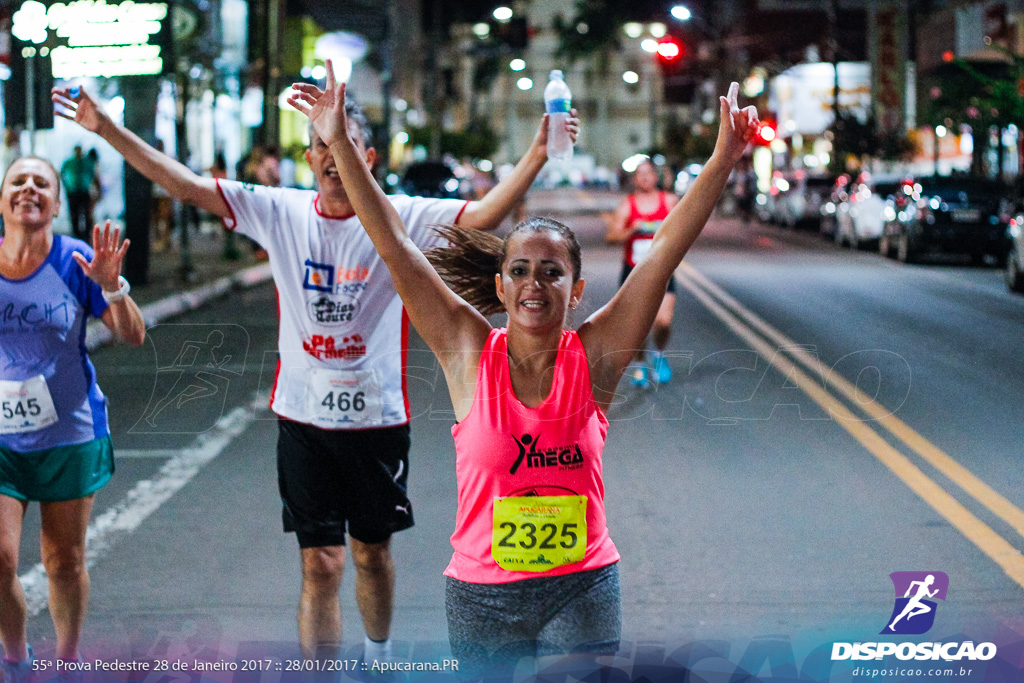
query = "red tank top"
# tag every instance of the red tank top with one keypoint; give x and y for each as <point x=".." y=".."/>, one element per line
<point x="509" y="453"/>
<point x="644" y="226"/>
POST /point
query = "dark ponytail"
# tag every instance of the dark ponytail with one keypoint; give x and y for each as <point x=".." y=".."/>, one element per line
<point x="472" y="258"/>
<point x="468" y="265"/>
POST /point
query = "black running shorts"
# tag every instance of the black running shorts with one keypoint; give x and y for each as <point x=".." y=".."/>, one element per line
<point x="330" y="478"/>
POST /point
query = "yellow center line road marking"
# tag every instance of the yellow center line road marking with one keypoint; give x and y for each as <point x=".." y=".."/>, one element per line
<point x="934" y="456"/>
<point x="1009" y="559"/>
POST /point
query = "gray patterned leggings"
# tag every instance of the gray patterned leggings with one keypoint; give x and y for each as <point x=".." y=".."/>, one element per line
<point x="497" y="624"/>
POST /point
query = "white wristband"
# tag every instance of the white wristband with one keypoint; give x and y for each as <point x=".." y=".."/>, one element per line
<point x="122" y="292"/>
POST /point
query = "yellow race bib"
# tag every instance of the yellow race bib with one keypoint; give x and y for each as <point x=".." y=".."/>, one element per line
<point x="538" y="533"/>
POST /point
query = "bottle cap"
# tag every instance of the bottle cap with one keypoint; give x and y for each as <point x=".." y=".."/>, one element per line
<point x="555" y="73"/>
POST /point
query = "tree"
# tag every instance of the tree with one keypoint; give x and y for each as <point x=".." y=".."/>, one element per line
<point x="981" y="95"/>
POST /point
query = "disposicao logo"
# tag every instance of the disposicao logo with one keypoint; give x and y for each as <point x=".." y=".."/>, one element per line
<point x="913" y="614"/>
<point x="916" y="592"/>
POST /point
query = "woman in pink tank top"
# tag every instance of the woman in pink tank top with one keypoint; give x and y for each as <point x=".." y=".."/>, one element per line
<point x="534" y="571"/>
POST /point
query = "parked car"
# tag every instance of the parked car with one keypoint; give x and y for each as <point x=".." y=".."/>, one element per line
<point x="803" y="203"/>
<point x="953" y="215"/>
<point x="431" y="179"/>
<point x="766" y="204"/>
<point x="837" y="195"/>
<point x="1015" y="257"/>
<point x="860" y="217"/>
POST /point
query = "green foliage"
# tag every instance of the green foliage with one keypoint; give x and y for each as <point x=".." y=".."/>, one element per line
<point x="478" y="141"/>
<point x="854" y="138"/>
<point x="684" y="142"/>
<point x="979" y="95"/>
<point x="600" y="20"/>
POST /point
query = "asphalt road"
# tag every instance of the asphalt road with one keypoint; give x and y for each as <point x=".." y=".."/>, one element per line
<point x="834" y="417"/>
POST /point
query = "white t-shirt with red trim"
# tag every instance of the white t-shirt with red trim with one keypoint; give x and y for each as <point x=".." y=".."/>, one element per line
<point x="343" y="330"/>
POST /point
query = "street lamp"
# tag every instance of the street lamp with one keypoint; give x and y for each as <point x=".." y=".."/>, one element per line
<point x="940" y="132"/>
<point x="681" y="12"/>
<point x="502" y="13"/>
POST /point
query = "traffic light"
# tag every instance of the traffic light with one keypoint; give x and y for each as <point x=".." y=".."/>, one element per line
<point x="670" y="52"/>
<point x="766" y="133"/>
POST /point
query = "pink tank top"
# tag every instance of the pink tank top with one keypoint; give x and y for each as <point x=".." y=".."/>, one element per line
<point x="505" y="449"/>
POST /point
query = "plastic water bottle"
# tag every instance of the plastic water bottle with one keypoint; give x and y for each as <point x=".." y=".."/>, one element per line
<point x="557" y="103"/>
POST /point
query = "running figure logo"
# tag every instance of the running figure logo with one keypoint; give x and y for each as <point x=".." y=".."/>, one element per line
<point x="191" y="392"/>
<point x="914" y="612"/>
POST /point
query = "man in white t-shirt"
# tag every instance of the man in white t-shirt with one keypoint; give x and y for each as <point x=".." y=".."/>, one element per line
<point x="339" y="393"/>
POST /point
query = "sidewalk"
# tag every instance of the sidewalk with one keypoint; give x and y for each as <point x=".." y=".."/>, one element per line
<point x="168" y="294"/>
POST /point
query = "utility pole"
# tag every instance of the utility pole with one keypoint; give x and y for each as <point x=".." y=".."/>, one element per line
<point x="30" y="99"/>
<point x="386" y="78"/>
<point x="832" y="15"/>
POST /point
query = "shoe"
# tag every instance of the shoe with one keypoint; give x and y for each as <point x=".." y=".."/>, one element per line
<point x="640" y="377"/>
<point x="76" y="676"/>
<point x="662" y="371"/>
<point x="18" y="672"/>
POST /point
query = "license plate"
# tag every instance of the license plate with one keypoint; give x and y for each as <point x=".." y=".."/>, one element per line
<point x="966" y="215"/>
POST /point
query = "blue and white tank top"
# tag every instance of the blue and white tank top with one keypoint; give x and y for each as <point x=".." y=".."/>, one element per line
<point x="42" y="333"/>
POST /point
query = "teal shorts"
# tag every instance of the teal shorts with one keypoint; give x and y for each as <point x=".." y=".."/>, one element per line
<point x="57" y="474"/>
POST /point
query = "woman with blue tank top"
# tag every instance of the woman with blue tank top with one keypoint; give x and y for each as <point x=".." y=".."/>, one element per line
<point x="534" y="571"/>
<point x="54" y="439"/>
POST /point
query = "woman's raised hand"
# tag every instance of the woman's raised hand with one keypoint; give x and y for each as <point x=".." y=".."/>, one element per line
<point x="108" y="253"/>
<point x="325" y="108"/>
<point x="737" y="126"/>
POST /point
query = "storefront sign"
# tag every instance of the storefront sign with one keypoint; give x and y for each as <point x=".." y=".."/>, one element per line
<point x="888" y="48"/>
<point x="97" y="38"/>
<point x="802" y="95"/>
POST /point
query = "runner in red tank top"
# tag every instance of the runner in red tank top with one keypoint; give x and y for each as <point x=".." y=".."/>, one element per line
<point x="635" y="221"/>
<point x="534" y="572"/>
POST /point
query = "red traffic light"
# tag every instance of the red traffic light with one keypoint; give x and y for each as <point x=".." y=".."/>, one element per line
<point x="669" y="50"/>
<point x="765" y="133"/>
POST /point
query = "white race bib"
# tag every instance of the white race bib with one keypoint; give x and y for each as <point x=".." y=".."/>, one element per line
<point x="25" y="406"/>
<point x="640" y="249"/>
<point x="338" y="398"/>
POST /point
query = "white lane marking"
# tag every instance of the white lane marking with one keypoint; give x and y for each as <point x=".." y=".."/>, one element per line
<point x="146" y="453"/>
<point x="146" y="496"/>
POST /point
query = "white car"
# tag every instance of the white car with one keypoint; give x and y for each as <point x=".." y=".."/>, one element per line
<point x="861" y="217"/>
<point x="804" y="201"/>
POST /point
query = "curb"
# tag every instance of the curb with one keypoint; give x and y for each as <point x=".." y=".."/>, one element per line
<point x="98" y="335"/>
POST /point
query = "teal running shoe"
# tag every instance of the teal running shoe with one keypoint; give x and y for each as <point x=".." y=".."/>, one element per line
<point x="18" y="672"/>
<point x="662" y="371"/>
<point x="641" y="377"/>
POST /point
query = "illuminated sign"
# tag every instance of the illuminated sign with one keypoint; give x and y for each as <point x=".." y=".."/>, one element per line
<point x="97" y="38"/>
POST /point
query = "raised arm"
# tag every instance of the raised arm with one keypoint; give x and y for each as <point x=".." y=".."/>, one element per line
<point x="177" y="178"/>
<point x="446" y="322"/>
<point x="613" y="333"/>
<point x="122" y="316"/>
<point x="487" y="213"/>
